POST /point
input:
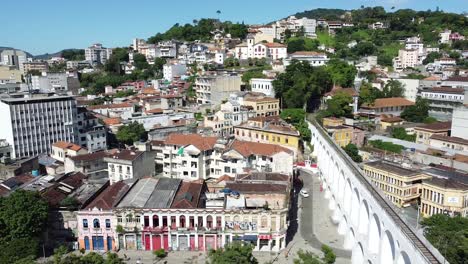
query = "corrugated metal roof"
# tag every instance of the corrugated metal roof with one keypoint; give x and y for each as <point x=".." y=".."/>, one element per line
<point x="140" y="194"/>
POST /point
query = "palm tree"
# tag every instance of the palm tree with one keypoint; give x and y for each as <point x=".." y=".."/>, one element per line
<point x="219" y="13"/>
<point x="195" y="21"/>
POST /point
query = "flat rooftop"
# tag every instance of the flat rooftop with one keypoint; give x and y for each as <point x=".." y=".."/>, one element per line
<point x="392" y="168"/>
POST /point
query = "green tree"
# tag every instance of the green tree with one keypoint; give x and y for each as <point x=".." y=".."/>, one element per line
<point x="23" y="216"/>
<point x="417" y="112"/>
<point x="140" y="61"/>
<point x="339" y="105"/>
<point x="329" y="255"/>
<point x="231" y="62"/>
<point x="293" y="115"/>
<point x="342" y="73"/>
<point x="236" y="252"/>
<point x="307" y="257"/>
<point x="388" y="146"/>
<point x="353" y="152"/>
<point x="400" y="133"/>
<point x="248" y="75"/>
<point x="368" y="94"/>
<point x="431" y="57"/>
<point x="449" y="235"/>
<point x="73" y="54"/>
<point x="128" y="134"/>
<point x="301" y="84"/>
<point x="392" y="88"/>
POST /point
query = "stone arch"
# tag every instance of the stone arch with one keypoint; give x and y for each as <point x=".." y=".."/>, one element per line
<point x="387" y="251"/>
<point x="336" y="217"/>
<point x="363" y="218"/>
<point x="332" y="203"/>
<point x="349" y="239"/>
<point x="355" y="208"/>
<point x="357" y="255"/>
<point x="343" y="225"/>
<point x="341" y="186"/>
<point x="403" y="258"/>
<point x="374" y="234"/>
<point x="347" y="197"/>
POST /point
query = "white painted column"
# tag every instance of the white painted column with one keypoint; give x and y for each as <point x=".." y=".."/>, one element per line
<point x="151" y="241"/>
<point x="151" y="220"/>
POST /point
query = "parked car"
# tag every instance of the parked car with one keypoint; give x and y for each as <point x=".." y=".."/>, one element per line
<point x="304" y="193"/>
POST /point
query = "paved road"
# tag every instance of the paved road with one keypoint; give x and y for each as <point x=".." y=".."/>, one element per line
<point x="308" y="228"/>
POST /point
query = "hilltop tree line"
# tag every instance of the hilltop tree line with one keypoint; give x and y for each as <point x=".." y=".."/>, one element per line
<point x="201" y="30"/>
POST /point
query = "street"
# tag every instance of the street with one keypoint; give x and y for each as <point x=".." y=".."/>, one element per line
<point x="315" y="219"/>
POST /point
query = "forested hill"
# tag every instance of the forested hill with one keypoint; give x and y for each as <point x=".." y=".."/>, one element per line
<point x="202" y="29"/>
<point x="328" y="14"/>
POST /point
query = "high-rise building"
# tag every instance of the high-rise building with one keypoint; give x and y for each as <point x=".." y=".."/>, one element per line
<point x="13" y="58"/>
<point x="31" y="123"/>
<point x="97" y="54"/>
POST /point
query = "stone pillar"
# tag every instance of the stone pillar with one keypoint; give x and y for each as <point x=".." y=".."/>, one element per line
<point x="150" y="220"/>
<point x="151" y="241"/>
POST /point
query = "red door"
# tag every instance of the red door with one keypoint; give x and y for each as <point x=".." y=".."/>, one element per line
<point x="166" y="242"/>
<point x="147" y="242"/>
<point x="200" y="243"/>
<point x="156" y="242"/>
<point x="210" y="242"/>
<point x="192" y="242"/>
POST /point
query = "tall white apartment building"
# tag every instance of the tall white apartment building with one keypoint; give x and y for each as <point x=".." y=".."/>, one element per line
<point x="32" y="123"/>
<point x="213" y="89"/>
<point x="97" y="54"/>
<point x="14" y="58"/>
<point x="406" y="58"/>
<point x="174" y="70"/>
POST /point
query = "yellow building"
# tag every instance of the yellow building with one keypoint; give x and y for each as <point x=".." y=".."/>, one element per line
<point x="332" y="122"/>
<point x="390" y="122"/>
<point x="263" y="106"/>
<point x="399" y="185"/>
<point x="425" y="132"/>
<point x="439" y="196"/>
<point x="342" y="135"/>
<point x="272" y="130"/>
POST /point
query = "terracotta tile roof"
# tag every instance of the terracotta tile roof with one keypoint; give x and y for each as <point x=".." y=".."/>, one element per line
<point x="55" y="195"/>
<point x="432" y="78"/>
<point x="112" y="121"/>
<point x="394" y="119"/>
<point x="200" y="142"/>
<point x="91" y="156"/>
<point x="457" y="79"/>
<point x="110" y="106"/>
<point x="149" y="90"/>
<point x="225" y="177"/>
<point x="275" y="45"/>
<point x="445" y="90"/>
<point x="437" y="126"/>
<point x="261" y="99"/>
<point x="337" y="89"/>
<point x="126" y="154"/>
<point x="155" y="111"/>
<point x="389" y="102"/>
<point x="456" y="140"/>
<point x="67" y="145"/>
<point x="188" y="195"/>
<point x="254" y="148"/>
<point x="109" y="196"/>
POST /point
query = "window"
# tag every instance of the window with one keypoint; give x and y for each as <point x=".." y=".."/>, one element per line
<point x="108" y="223"/>
<point x="96" y="223"/>
<point x="227" y="170"/>
<point x="85" y="223"/>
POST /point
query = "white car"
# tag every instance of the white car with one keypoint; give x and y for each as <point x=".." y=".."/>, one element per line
<point x="304" y="193"/>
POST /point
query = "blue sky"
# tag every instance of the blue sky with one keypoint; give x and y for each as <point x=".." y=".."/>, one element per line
<point x="53" y="25"/>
